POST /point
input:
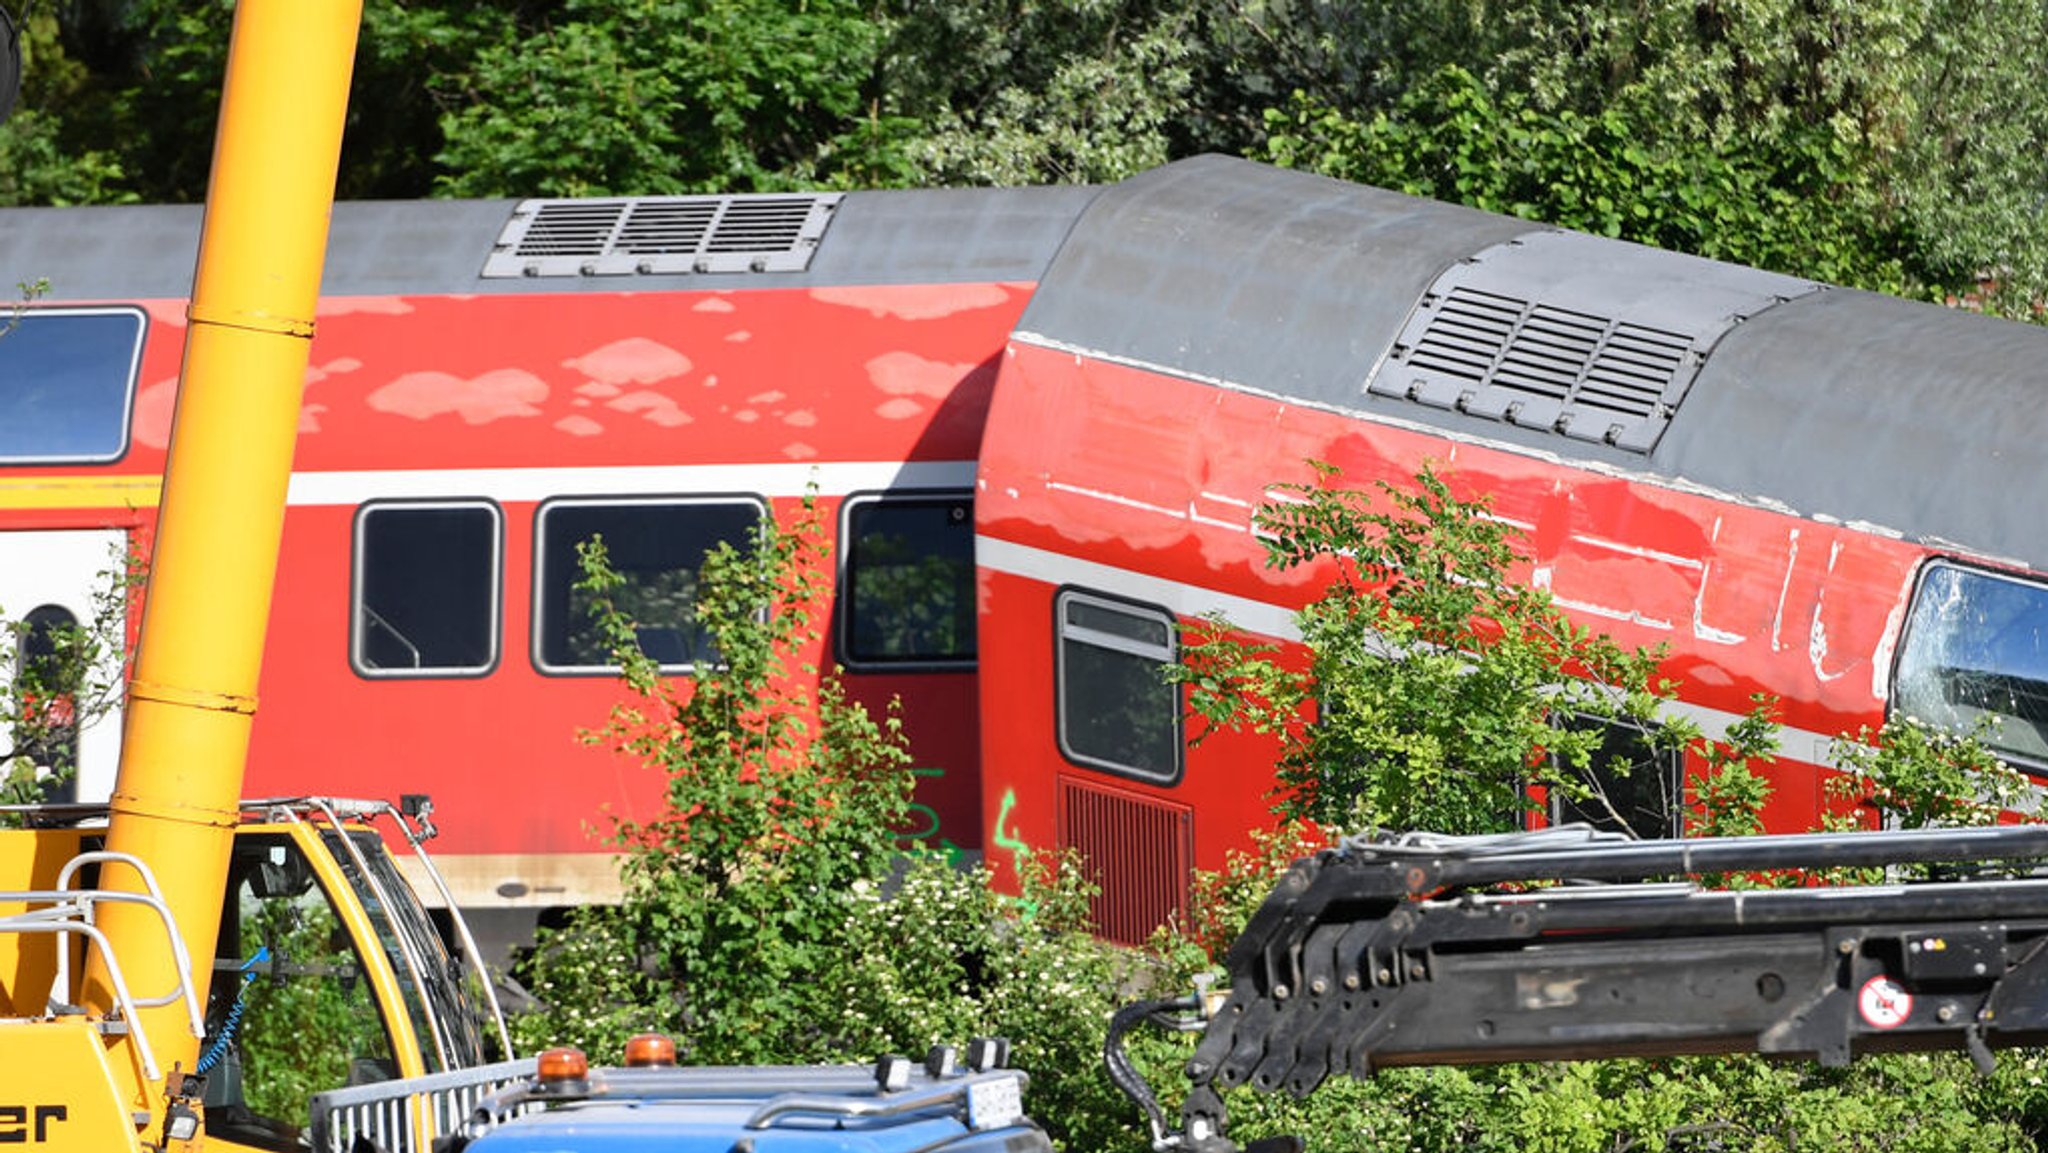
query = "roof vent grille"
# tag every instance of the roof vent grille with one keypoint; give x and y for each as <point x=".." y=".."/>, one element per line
<point x="662" y="235"/>
<point x="1588" y="338"/>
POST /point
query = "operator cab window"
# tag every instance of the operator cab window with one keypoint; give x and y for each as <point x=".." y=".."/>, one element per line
<point x="291" y="1011"/>
<point x="906" y="595"/>
<point x="658" y="546"/>
<point x="67" y="382"/>
<point x="426" y="589"/>
<point x="1975" y="653"/>
<point x="1117" y="711"/>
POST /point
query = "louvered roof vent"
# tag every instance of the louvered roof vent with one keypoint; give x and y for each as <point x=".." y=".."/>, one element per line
<point x="656" y="235"/>
<point x="1593" y="339"/>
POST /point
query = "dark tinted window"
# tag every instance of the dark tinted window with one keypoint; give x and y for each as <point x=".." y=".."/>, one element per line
<point x="909" y="591"/>
<point x="1116" y="710"/>
<point x="1636" y="787"/>
<point x="1976" y="651"/>
<point x="657" y="546"/>
<point x="426" y="589"/>
<point x="66" y="379"/>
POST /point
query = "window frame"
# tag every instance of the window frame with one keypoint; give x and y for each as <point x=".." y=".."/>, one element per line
<point x="842" y="599"/>
<point x="1069" y="594"/>
<point x="378" y="984"/>
<point x="126" y="438"/>
<point x="2034" y="766"/>
<point x="497" y="589"/>
<point x="538" y="622"/>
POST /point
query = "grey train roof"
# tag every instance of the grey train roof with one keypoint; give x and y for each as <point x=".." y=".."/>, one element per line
<point x="1831" y="402"/>
<point x="442" y="246"/>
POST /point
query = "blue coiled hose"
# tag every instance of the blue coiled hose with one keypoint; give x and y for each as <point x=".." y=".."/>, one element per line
<point x="226" y="1036"/>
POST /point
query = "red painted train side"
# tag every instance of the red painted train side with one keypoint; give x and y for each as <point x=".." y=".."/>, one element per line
<point x="548" y="399"/>
<point x="444" y="403"/>
<point x="1750" y="600"/>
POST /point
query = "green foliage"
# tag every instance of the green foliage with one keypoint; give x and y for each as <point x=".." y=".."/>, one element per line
<point x="1436" y="689"/>
<point x="661" y="96"/>
<point x="38" y="165"/>
<point x="1731" y="1105"/>
<point x="1797" y="201"/>
<point x="1871" y="144"/>
<point x="31" y="291"/>
<point x="318" y="1017"/>
<point x="1726" y="798"/>
<point x="595" y="993"/>
<point x="737" y="889"/>
<point x="65" y="677"/>
<point x="1916" y="777"/>
<point x="1040" y="91"/>
<point x="36" y="168"/>
<point x="940" y="957"/>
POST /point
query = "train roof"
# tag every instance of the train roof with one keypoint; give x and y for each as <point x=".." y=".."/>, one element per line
<point x="1829" y="402"/>
<point x="447" y="246"/>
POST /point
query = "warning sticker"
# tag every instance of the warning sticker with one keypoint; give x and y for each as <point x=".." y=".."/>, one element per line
<point x="1883" y="1003"/>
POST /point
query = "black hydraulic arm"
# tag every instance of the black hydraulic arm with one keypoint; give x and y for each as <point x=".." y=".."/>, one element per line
<point x="1563" y="945"/>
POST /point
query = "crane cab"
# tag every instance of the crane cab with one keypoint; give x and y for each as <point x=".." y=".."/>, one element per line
<point x="327" y="972"/>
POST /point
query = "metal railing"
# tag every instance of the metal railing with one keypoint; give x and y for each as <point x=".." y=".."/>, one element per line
<point x="66" y="911"/>
<point x="406" y="1116"/>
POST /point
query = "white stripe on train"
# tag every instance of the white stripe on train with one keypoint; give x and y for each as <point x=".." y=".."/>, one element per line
<point x="831" y="478"/>
<point x="1277" y="621"/>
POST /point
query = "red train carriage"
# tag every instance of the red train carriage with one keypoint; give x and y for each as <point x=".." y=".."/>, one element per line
<point x="1815" y="493"/>
<point x="492" y="382"/>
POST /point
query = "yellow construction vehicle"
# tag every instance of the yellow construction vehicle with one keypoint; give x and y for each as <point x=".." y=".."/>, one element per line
<point x="180" y="968"/>
<point x="327" y="973"/>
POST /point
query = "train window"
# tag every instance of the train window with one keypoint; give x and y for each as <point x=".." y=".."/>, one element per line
<point x="1638" y="788"/>
<point x="657" y="546"/>
<point x="66" y="379"/>
<point x="426" y="589"/>
<point x="45" y="684"/>
<point x="1976" y="652"/>
<point x="907" y="591"/>
<point x="1116" y="711"/>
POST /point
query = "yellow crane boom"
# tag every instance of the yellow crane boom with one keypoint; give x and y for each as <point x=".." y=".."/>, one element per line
<point x="192" y="696"/>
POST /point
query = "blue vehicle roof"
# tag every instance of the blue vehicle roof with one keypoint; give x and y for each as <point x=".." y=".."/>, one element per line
<point x="698" y="1126"/>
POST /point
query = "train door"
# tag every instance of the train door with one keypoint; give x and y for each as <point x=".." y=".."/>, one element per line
<point x="49" y="580"/>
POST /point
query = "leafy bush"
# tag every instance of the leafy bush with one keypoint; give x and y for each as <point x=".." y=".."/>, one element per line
<point x="781" y="797"/>
<point x="1436" y="690"/>
<point x="1798" y="199"/>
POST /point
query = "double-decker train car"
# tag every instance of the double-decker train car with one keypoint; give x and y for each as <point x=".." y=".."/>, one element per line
<point x="492" y="383"/>
<point x="1809" y="492"/>
<point x="1067" y="403"/>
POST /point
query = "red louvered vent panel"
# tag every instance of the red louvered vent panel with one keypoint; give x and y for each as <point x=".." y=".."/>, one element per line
<point x="1139" y="851"/>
